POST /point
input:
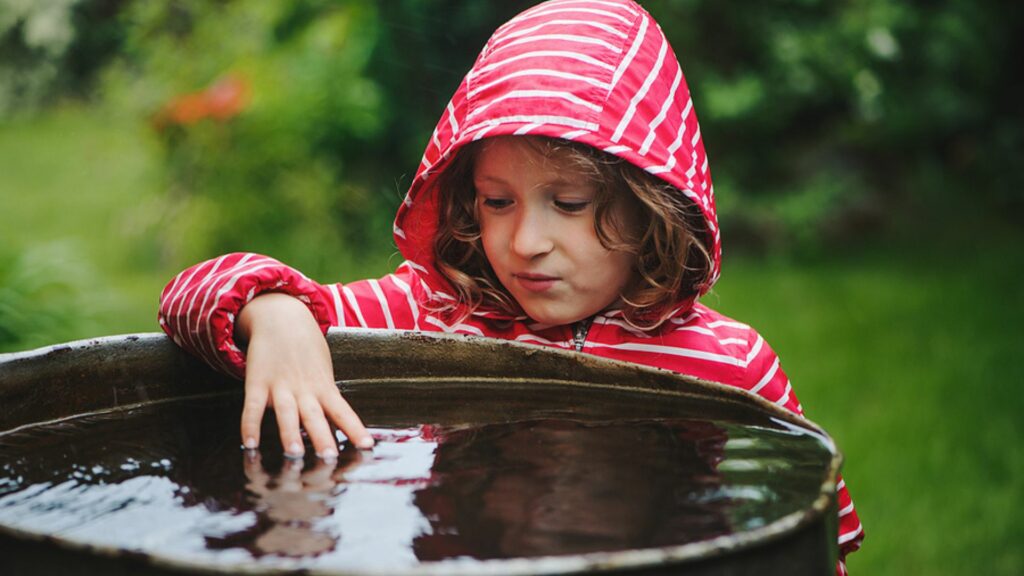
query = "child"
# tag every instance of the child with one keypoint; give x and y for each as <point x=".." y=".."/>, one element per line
<point x="564" y="200"/>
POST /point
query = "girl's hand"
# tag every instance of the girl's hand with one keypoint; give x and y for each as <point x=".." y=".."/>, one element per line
<point x="288" y="367"/>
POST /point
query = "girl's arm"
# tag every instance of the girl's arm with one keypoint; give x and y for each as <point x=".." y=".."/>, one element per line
<point x="199" y="306"/>
<point x="283" y="316"/>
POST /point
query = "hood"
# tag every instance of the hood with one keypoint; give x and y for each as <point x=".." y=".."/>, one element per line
<point x="599" y="72"/>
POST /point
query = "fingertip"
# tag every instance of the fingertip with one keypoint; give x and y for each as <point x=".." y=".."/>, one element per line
<point x="250" y="436"/>
<point x="349" y="424"/>
<point x="295" y="450"/>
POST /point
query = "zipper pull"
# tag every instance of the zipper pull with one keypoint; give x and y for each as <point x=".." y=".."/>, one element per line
<point x="580" y="330"/>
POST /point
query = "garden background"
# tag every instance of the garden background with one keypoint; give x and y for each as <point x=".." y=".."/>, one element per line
<point x="867" y="158"/>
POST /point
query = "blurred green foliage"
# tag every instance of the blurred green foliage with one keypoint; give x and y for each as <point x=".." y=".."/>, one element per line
<point x="43" y="296"/>
<point x="34" y="38"/>
<point x="270" y="174"/>
<point x="831" y="120"/>
<point x="53" y="48"/>
<point x="824" y="121"/>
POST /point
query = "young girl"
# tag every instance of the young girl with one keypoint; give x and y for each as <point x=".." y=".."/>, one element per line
<point x="564" y="200"/>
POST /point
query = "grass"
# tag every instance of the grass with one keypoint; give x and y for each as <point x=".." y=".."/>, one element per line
<point x="910" y="357"/>
<point x="909" y="354"/>
<point x="82" y="181"/>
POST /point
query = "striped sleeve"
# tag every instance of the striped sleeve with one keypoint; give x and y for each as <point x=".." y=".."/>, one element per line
<point x="766" y="378"/>
<point x="388" y="303"/>
<point x="199" y="306"/>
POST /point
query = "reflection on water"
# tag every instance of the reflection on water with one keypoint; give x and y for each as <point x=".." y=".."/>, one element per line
<point x="171" y="479"/>
<point x="559" y="487"/>
<point x="287" y="506"/>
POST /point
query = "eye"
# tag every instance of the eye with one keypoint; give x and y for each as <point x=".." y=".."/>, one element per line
<point x="572" y="207"/>
<point x="496" y="203"/>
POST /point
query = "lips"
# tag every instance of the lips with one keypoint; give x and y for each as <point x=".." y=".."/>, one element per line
<point x="535" y="282"/>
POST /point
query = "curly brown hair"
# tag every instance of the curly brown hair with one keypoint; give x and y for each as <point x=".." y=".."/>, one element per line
<point x="672" y="262"/>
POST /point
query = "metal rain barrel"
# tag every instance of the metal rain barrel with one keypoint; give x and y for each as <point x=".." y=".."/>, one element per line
<point x="120" y="455"/>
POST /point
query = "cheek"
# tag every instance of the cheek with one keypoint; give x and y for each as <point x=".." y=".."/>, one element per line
<point x="490" y="239"/>
<point x="607" y="269"/>
<point x="627" y="269"/>
<point x="616" y="266"/>
<point x="618" y="270"/>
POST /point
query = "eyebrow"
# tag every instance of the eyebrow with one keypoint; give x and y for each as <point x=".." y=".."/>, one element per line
<point x="487" y="178"/>
<point x="556" y="183"/>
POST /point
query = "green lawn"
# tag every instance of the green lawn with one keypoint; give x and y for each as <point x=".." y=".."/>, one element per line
<point x="84" y="185"/>
<point x="911" y="358"/>
<point x="908" y="353"/>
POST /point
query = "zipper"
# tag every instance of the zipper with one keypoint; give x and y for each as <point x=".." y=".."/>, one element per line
<point x="580" y="330"/>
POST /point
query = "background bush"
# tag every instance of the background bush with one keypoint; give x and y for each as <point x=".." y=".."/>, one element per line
<point x="51" y="49"/>
<point x="271" y="166"/>
<point x="43" y="297"/>
<point x="829" y="120"/>
<point x="825" y="121"/>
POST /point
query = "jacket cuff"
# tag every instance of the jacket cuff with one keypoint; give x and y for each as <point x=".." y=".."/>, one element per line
<point x="278" y="279"/>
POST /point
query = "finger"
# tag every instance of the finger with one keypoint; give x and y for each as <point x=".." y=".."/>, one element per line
<point x="252" y="415"/>
<point x="317" y="429"/>
<point x="287" y="414"/>
<point x="345" y="418"/>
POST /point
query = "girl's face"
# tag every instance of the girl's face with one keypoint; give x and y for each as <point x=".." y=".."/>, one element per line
<point x="537" y="226"/>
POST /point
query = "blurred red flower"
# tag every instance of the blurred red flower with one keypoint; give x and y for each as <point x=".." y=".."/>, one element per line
<point x="222" y="100"/>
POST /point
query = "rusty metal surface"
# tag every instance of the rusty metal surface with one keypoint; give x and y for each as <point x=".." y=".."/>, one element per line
<point x="71" y="379"/>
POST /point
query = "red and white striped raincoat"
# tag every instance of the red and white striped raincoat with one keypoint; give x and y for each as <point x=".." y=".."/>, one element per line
<point x="599" y="72"/>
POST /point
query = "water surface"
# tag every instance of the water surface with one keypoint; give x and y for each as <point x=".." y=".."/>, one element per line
<point x="171" y="479"/>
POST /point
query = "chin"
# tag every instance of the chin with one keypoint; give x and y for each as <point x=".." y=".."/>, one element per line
<point x="554" y="318"/>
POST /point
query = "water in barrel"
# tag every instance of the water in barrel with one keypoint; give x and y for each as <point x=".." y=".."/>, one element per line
<point x="169" y="478"/>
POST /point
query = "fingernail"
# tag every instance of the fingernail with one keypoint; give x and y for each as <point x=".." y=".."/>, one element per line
<point x="295" y="449"/>
<point x="250" y="443"/>
<point x="329" y="454"/>
<point x="366" y="443"/>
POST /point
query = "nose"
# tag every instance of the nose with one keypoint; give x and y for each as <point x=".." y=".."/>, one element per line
<point x="532" y="236"/>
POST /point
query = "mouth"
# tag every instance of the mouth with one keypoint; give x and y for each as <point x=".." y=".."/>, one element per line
<point x="535" y="282"/>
